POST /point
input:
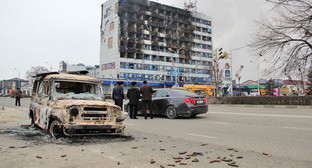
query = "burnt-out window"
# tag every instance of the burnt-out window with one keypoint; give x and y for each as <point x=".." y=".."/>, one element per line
<point x="43" y="89"/>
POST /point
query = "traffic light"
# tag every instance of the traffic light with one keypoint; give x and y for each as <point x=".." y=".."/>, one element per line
<point x="220" y="53"/>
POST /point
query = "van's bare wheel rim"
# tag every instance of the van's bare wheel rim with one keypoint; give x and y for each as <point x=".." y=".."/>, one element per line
<point x="56" y="129"/>
<point x="171" y="112"/>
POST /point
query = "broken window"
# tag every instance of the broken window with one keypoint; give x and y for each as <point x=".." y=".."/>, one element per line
<point x="123" y="65"/>
<point x="146" y="37"/>
<point x="131" y="66"/>
<point x="75" y="89"/>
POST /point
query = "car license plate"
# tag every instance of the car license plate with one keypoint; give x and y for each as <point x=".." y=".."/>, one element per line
<point x="200" y="101"/>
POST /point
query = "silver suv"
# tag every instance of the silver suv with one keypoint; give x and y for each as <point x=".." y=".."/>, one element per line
<point x="73" y="104"/>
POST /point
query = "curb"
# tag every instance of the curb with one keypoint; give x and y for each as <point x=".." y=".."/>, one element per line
<point x="263" y="106"/>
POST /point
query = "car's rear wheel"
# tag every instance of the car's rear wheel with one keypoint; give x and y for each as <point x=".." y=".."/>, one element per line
<point x="171" y="112"/>
<point x="193" y="115"/>
<point x="32" y="118"/>
<point x="56" y="129"/>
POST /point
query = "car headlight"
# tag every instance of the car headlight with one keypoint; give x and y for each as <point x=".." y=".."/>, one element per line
<point x="74" y="111"/>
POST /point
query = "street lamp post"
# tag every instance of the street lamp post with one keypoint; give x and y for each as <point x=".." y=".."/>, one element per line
<point x="258" y="76"/>
<point x="176" y="67"/>
<point x="231" y="51"/>
<point x="175" y="63"/>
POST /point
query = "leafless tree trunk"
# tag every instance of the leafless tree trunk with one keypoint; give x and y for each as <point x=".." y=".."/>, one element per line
<point x="216" y="74"/>
<point x="35" y="70"/>
<point x="287" y="37"/>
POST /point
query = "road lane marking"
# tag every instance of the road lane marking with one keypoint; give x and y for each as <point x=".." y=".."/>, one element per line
<point x="264" y="115"/>
<point x="205" y="136"/>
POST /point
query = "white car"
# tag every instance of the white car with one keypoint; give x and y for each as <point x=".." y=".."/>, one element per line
<point x="254" y="92"/>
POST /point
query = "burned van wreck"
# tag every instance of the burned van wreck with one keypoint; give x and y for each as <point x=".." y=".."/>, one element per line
<point x="73" y="104"/>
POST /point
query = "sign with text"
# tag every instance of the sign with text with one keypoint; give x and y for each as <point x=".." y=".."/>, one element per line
<point x="108" y="66"/>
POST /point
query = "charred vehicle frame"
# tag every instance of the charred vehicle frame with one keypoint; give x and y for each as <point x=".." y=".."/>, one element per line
<point x="73" y="104"/>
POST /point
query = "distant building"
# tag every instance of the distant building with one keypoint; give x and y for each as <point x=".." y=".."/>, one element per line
<point x="7" y="85"/>
<point x="93" y="70"/>
<point x="144" y="40"/>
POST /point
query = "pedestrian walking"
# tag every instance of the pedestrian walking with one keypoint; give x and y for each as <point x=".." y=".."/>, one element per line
<point x="147" y="93"/>
<point x="133" y="94"/>
<point x="118" y="94"/>
<point x="18" y="96"/>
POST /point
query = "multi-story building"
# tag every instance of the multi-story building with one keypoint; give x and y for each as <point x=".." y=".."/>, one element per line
<point x="144" y="40"/>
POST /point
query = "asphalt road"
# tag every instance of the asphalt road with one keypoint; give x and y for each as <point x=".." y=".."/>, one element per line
<point x="264" y="136"/>
<point x="285" y="132"/>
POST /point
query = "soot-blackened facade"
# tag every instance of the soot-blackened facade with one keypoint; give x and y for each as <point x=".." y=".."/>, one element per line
<point x="144" y="40"/>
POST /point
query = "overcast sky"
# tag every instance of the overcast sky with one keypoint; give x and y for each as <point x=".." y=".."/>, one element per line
<point x="45" y="32"/>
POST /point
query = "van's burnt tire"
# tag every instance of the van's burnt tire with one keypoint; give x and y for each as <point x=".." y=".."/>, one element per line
<point x="32" y="120"/>
<point x="171" y="112"/>
<point x="56" y="129"/>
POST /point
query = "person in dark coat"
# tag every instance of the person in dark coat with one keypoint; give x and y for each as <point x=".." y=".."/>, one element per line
<point x="133" y="95"/>
<point x="18" y="96"/>
<point x="118" y="94"/>
<point x="147" y="93"/>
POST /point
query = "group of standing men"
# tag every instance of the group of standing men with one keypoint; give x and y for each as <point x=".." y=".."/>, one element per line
<point x="134" y="94"/>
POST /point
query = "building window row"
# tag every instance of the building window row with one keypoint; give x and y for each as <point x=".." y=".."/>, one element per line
<point x="169" y="69"/>
<point x="201" y="21"/>
<point x="167" y="59"/>
<point x="163" y="39"/>
<point x="163" y="78"/>
<point x="202" y="29"/>
<point x="165" y="49"/>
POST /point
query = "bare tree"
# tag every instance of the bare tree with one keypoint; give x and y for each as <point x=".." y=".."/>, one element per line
<point x="33" y="72"/>
<point x="216" y="73"/>
<point x="287" y="36"/>
<point x="310" y="80"/>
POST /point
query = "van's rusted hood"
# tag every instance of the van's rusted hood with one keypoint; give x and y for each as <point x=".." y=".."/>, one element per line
<point x="67" y="103"/>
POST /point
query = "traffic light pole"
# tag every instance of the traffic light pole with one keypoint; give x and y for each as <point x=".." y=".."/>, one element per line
<point x="231" y="76"/>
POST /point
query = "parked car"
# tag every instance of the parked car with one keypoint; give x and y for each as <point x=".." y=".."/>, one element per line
<point x="73" y="104"/>
<point x="175" y="102"/>
<point x="201" y="92"/>
<point x="254" y="92"/>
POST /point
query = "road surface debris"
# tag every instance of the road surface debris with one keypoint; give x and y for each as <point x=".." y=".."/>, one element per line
<point x="213" y="161"/>
<point x="182" y="153"/>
